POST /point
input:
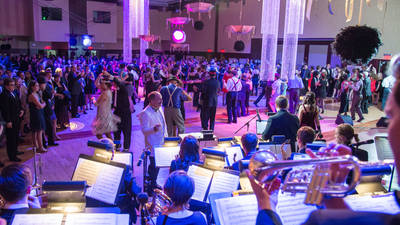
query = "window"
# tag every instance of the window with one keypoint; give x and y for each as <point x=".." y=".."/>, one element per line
<point x="49" y="13"/>
<point x="101" y="17"/>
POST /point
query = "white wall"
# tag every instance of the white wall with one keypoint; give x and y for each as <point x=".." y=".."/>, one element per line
<point x="47" y="30"/>
<point x="102" y="32"/>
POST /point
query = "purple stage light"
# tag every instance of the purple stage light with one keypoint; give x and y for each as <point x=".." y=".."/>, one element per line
<point x="179" y="36"/>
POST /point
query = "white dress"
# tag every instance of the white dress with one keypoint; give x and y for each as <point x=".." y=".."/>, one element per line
<point x="105" y="121"/>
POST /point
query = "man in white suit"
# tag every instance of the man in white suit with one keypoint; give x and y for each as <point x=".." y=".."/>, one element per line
<point x="154" y="128"/>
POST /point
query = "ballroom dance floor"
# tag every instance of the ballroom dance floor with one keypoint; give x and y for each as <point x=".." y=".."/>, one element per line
<point x="59" y="162"/>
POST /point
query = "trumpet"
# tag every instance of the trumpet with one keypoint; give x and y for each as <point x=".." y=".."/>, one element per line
<point x="155" y="207"/>
<point x="314" y="177"/>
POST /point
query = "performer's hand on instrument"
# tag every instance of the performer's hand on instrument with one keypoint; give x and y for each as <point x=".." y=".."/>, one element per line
<point x="266" y="194"/>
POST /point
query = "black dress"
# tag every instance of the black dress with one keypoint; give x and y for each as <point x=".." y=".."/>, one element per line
<point x="308" y="118"/>
<point x="321" y="90"/>
<point x="90" y="87"/>
<point x="37" y="121"/>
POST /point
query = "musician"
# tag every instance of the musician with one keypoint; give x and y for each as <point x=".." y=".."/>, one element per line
<point x="338" y="212"/>
<point x="344" y="135"/>
<point x="180" y="188"/>
<point x="188" y="153"/>
<point x="154" y="129"/>
<point x="249" y="143"/>
<point x="15" y="186"/>
<point x="282" y="123"/>
<point x="305" y="135"/>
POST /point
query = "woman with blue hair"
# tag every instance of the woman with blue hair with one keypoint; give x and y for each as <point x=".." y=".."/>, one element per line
<point x="179" y="187"/>
<point x="189" y="153"/>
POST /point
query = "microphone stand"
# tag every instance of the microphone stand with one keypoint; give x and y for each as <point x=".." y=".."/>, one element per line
<point x="246" y="124"/>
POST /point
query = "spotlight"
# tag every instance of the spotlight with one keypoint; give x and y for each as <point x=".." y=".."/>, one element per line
<point x="179" y="36"/>
<point x="86" y="41"/>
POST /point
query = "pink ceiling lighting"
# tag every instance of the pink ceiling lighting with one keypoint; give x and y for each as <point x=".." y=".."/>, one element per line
<point x="179" y="36"/>
<point x="199" y="7"/>
<point x="150" y="38"/>
<point x="178" y="21"/>
<point x="240" y="30"/>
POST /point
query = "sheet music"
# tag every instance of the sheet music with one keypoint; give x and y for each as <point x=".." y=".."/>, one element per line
<point x="103" y="179"/>
<point x="239" y="210"/>
<point x="123" y="219"/>
<point x="87" y="170"/>
<point x="383" y="148"/>
<point x="164" y="155"/>
<point x="124" y="158"/>
<point x="245" y="184"/>
<point x="37" y="219"/>
<point x="202" y="178"/>
<point x="91" y="219"/>
<point x="292" y="210"/>
<point x="380" y="203"/>
<point x="162" y="175"/>
<point x="224" y="182"/>
<point x="231" y="152"/>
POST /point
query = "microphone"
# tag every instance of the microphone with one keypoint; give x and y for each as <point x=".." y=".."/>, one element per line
<point x="144" y="153"/>
<point x="258" y="115"/>
<point x="367" y="142"/>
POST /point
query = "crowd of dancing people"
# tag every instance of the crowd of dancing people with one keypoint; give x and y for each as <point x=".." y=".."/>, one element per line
<point x="41" y="94"/>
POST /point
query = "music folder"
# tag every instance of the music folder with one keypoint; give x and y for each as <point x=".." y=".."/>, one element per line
<point x="208" y="181"/>
<point x="104" y="179"/>
<point x="260" y="126"/>
<point x="92" y="216"/>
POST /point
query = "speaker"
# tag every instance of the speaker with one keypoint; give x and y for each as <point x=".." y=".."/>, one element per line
<point x="239" y="46"/>
<point x="149" y="52"/>
<point x="343" y="119"/>
<point x="198" y="25"/>
<point x="72" y="41"/>
<point x="382" y="122"/>
<point x="5" y="47"/>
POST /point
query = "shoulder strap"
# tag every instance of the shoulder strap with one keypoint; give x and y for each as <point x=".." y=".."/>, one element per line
<point x="170" y="102"/>
<point x="165" y="220"/>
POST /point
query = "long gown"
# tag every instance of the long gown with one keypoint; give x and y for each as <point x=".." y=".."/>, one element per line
<point x="105" y="121"/>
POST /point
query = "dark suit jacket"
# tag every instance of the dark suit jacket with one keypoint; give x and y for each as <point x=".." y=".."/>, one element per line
<point x="10" y="106"/>
<point x="48" y="97"/>
<point x="282" y="123"/>
<point x="73" y="84"/>
<point x="122" y="100"/>
<point x="209" y="92"/>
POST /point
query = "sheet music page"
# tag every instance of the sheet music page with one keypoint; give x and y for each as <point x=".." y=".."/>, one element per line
<point x="122" y="219"/>
<point x="379" y="203"/>
<point x="197" y="135"/>
<point x="106" y="187"/>
<point x="87" y="170"/>
<point x="38" y="219"/>
<point x="224" y="182"/>
<point x="164" y="155"/>
<point x="239" y="210"/>
<point x="125" y="158"/>
<point x="102" y="178"/>
<point x="91" y="219"/>
<point x="202" y="178"/>
<point x="245" y="184"/>
<point x="163" y="174"/>
<point x="292" y="210"/>
<point x="234" y="154"/>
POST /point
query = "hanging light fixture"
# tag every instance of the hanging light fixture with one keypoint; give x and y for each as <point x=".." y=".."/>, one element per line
<point x="199" y="7"/>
